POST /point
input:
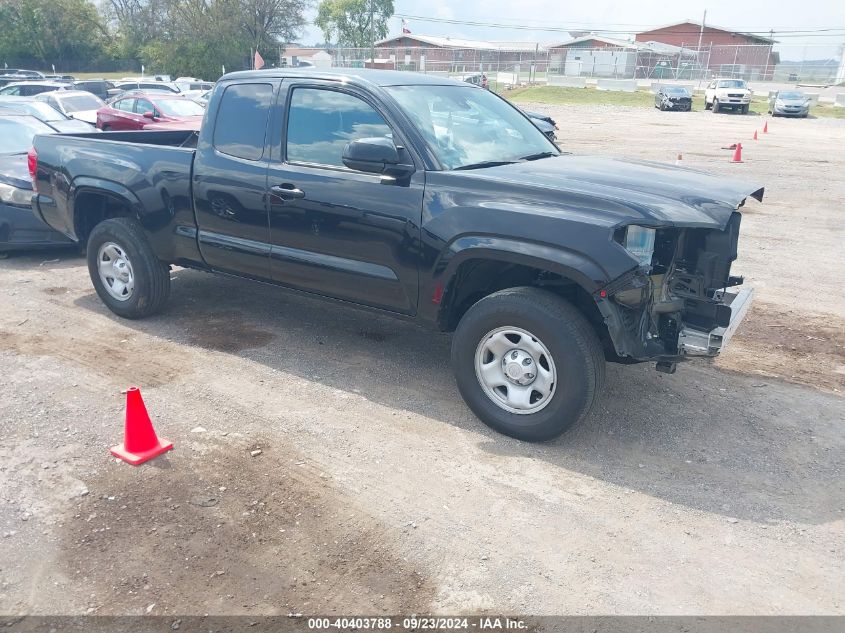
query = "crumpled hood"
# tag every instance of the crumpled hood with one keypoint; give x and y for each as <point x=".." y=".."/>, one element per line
<point x="641" y="191"/>
<point x="14" y="171"/>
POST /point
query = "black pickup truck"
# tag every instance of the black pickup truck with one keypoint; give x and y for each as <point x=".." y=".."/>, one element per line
<point x="423" y="197"/>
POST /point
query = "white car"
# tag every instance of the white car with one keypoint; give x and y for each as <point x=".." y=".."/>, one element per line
<point x="728" y="93"/>
<point x="78" y="104"/>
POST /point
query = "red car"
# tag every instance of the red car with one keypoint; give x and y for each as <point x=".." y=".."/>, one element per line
<point x="136" y="111"/>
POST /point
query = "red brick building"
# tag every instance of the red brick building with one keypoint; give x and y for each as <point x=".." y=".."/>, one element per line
<point x="447" y="54"/>
<point x="723" y="52"/>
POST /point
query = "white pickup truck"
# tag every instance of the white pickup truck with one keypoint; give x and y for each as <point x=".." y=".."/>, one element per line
<point x="728" y="93"/>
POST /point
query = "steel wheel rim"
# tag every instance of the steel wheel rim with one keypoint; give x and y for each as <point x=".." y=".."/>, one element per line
<point x="115" y="271"/>
<point x="515" y="370"/>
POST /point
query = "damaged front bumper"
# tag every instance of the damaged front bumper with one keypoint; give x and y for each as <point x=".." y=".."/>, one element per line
<point x="681" y="301"/>
<point x="695" y="342"/>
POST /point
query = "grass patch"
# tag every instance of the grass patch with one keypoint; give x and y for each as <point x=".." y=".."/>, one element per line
<point x="557" y="95"/>
<point x="828" y="110"/>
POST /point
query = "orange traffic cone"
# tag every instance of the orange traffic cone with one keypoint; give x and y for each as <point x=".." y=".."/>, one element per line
<point x="140" y="442"/>
<point x="737" y="154"/>
<point x="766" y="127"/>
<point x="754" y="138"/>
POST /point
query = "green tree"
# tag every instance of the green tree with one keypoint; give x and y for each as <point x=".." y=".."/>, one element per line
<point x="51" y="31"/>
<point x="134" y="24"/>
<point x="231" y="30"/>
<point x="354" y="23"/>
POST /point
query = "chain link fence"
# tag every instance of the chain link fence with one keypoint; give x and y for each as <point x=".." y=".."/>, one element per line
<point x="821" y="64"/>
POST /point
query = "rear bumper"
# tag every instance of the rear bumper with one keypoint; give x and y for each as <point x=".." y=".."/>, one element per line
<point x="21" y="229"/>
<point x="694" y="342"/>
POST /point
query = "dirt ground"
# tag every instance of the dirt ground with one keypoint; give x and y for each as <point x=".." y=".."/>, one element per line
<point x="717" y="490"/>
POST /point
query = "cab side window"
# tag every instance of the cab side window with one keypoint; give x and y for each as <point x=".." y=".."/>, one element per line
<point x="321" y="122"/>
<point x="242" y="117"/>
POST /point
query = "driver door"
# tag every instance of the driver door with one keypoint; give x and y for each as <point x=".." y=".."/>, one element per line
<point x="335" y="231"/>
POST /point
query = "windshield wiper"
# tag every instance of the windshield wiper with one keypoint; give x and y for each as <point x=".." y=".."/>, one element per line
<point x="539" y="155"/>
<point x="486" y="163"/>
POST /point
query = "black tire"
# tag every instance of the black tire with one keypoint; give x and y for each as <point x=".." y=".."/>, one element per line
<point x="151" y="277"/>
<point x="707" y="106"/>
<point x="715" y="106"/>
<point x="573" y="345"/>
<point x="744" y="109"/>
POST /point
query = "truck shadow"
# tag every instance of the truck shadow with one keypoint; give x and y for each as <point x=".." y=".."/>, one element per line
<point x="735" y="445"/>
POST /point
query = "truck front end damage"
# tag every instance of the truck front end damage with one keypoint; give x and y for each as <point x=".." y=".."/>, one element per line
<point x="681" y="300"/>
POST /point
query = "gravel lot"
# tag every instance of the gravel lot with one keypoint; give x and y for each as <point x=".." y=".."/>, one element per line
<point x="717" y="490"/>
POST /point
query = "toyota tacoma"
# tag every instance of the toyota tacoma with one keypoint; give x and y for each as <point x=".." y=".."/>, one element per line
<point x="422" y="197"/>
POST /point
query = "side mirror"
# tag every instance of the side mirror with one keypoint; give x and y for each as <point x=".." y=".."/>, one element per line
<point x="149" y="115"/>
<point x="375" y="156"/>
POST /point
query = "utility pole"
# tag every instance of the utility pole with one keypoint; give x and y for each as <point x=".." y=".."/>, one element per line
<point x="700" y="37"/>
<point x="372" y="33"/>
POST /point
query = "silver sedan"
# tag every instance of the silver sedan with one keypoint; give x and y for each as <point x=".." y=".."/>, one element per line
<point x="789" y="103"/>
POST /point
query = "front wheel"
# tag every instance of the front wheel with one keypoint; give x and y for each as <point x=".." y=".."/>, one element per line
<point x="715" y="106"/>
<point x="527" y="363"/>
<point x="125" y="271"/>
<point x="744" y="109"/>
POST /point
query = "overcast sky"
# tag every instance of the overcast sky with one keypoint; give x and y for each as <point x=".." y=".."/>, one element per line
<point x="741" y="15"/>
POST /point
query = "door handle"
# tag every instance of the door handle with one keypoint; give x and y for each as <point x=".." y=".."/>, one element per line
<point x="287" y="191"/>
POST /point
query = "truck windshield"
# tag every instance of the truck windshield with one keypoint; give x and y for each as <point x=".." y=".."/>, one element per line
<point x="467" y="126"/>
<point x="731" y="83"/>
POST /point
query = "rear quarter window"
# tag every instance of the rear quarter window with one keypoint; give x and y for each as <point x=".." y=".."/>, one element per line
<point x="241" y="126"/>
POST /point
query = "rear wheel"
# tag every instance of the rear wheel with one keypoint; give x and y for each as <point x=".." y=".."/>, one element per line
<point x="707" y="105"/>
<point x="126" y="274"/>
<point x="527" y="363"/>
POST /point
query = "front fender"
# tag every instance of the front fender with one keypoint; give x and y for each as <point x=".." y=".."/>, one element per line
<point x="565" y="262"/>
<point x="575" y="266"/>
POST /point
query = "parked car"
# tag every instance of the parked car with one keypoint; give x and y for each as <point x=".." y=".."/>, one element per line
<point x="146" y="86"/>
<point x="544" y="123"/>
<point x="98" y="87"/>
<point x="728" y="93"/>
<point x="193" y="85"/>
<point x="30" y="88"/>
<point x="471" y="78"/>
<point x="136" y="110"/>
<point x="789" y="103"/>
<point x="32" y="74"/>
<point x="422" y="197"/>
<point x="673" y="98"/>
<point x="203" y="98"/>
<point x="44" y="113"/>
<point x="62" y="79"/>
<point x="20" y="228"/>
<point x="5" y="80"/>
<point x="78" y="104"/>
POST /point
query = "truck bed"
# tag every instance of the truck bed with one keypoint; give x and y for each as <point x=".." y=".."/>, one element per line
<point x="168" y="138"/>
<point x="147" y="173"/>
